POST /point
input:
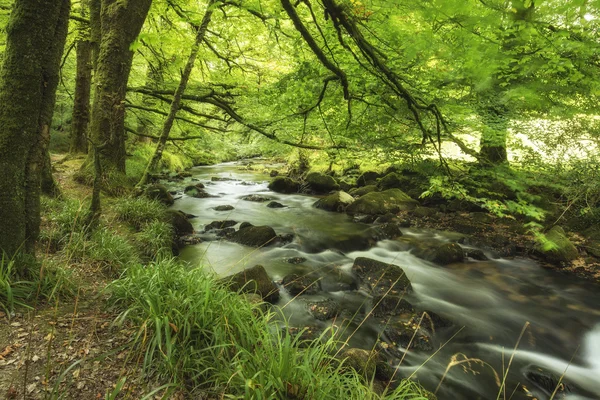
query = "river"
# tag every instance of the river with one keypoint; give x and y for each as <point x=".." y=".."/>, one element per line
<point x="490" y="302"/>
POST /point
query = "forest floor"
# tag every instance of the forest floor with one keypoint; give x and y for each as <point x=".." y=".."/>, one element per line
<point x="70" y="349"/>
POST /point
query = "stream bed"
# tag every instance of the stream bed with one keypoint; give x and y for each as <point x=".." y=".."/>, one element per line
<point x="490" y="303"/>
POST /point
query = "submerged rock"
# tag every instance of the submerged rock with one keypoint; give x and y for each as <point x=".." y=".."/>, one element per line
<point x="298" y="284"/>
<point x="382" y="278"/>
<point x="254" y="236"/>
<point x="380" y="203"/>
<point x="224" y="208"/>
<point x="275" y="204"/>
<point x="256" y="198"/>
<point x="254" y="280"/>
<point x="319" y="182"/>
<point x="324" y="310"/>
<point x="284" y="185"/>
<point x="215" y="225"/>
<point x="337" y="201"/>
<point x="449" y="253"/>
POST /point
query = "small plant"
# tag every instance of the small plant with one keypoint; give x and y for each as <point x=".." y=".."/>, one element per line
<point x="155" y="240"/>
<point x="139" y="211"/>
<point x="111" y="251"/>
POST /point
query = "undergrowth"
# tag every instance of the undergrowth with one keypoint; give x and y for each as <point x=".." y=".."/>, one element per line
<point x="194" y="332"/>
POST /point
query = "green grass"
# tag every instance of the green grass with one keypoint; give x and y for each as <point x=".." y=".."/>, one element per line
<point x="194" y="332"/>
<point x="155" y="240"/>
<point x="139" y="211"/>
<point x="24" y="281"/>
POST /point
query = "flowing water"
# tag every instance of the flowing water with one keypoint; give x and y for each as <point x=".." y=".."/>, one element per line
<point x="493" y="301"/>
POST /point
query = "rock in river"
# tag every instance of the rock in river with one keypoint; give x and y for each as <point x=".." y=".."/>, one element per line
<point x="381" y="278"/>
<point x="381" y="203"/>
<point x="255" y="236"/>
<point x="337" y="201"/>
<point x="284" y="185"/>
<point x="254" y="280"/>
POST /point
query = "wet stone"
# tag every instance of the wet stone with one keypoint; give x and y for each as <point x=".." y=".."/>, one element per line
<point x="223" y="179"/>
<point x="298" y="284"/>
<point x="220" y="225"/>
<point x="224" y="208"/>
<point x="256" y="198"/>
<point x="295" y="260"/>
<point x="324" y="310"/>
<point x="275" y="204"/>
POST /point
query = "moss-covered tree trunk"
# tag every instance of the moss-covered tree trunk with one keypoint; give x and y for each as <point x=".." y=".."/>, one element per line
<point x="35" y="40"/>
<point x="121" y="22"/>
<point x="83" y="84"/>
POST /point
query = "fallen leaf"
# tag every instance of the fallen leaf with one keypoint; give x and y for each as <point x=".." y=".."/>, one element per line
<point x="6" y="352"/>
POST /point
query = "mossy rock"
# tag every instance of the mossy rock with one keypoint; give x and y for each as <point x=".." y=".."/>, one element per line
<point x="325" y="309"/>
<point x="382" y="278"/>
<point x="381" y="203"/>
<point x="337" y="201"/>
<point x="449" y="253"/>
<point x="368" y="178"/>
<point x="254" y="236"/>
<point x="298" y="284"/>
<point x="159" y="193"/>
<point x="284" y="185"/>
<point x="180" y="223"/>
<point x="361" y="191"/>
<point x="253" y="280"/>
<point x="424" y="212"/>
<point x="392" y="181"/>
<point x="362" y="361"/>
<point x="558" y="249"/>
<point x="319" y="182"/>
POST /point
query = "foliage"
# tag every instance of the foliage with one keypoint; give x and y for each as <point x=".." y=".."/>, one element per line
<point x="139" y="211"/>
<point x="155" y="240"/>
<point x="20" y="287"/>
<point x="194" y="332"/>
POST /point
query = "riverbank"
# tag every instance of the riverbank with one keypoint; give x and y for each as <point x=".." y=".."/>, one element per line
<point x="120" y="319"/>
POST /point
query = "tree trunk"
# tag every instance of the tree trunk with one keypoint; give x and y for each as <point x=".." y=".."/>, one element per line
<point x="83" y="84"/>
<point x="185" y="76"/>
<point x="35" y="40"/>
<point x="494" y="134"/>
<point x="121" y="22"/>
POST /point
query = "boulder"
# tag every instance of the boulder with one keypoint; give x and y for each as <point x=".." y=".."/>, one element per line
<point x="180" y="223"/>
<point x="388" y="230"/>
<point x="159" y="193"/>
<point x="275" y="204"/>
<point x="558" y="249"/>
<point x="368" y="178"/>
<point x="388" y="305"/>
<point x="380" y="203"/>
<point x="362" y="361"/>
<point x="449" y="253"/>
<point x="224" y="208"/>
<point x="337" y="201"/>
<point x="256" y="198"/>
<point x="284" y="185"/>
<point x="391" y="181"/>
<point x="196" y="192"/>
<point x="402" y="333"/>
<point x="324" y="310"/>
<point x="319" y="182"/>
<point x="382" y="278"/>
<point x="297" y="284"/>
<point x="254" y="236"/>
<point x="253" y="280"/>
<point x="361" y="191"/>
<point x="219" y="225"/>
<point x="223" y="179"/>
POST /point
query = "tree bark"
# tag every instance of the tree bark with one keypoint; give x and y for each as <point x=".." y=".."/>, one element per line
<point x="83" y="84"/>
<point x="121" y="23"/>
<point x="36" y="34"/>
<point x="185" y="76"/>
